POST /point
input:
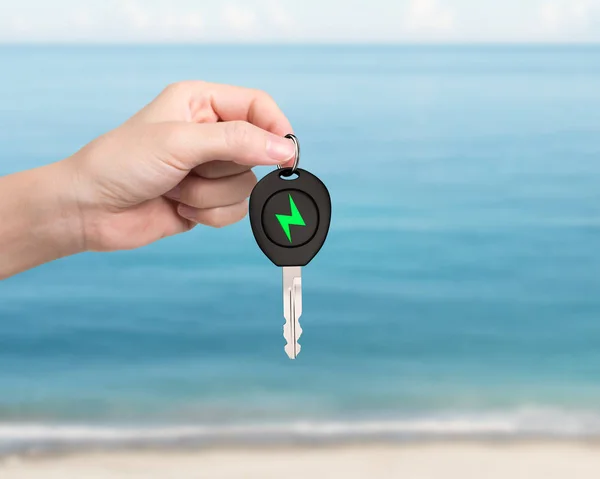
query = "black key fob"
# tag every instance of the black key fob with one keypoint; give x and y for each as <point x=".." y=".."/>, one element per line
<point x="290" y="214"/>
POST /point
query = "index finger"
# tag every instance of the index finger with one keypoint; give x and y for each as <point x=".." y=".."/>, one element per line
<point x="202" y="102"/>
<point x="257" y="107"/>
<point x="233" y="103"/>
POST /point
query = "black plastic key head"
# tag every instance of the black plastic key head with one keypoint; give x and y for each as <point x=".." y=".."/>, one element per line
<point x="290" y="217"/>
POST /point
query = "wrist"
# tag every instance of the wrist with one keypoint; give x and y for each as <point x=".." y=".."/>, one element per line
<point x="53" y="209"/>
<point x="64" y="222"/>
<point x="40" y="218"/>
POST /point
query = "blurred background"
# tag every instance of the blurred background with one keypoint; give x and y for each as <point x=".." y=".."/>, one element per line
<point x="458" y="292"/>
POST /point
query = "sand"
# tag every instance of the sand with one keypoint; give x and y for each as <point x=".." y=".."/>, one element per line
<point x="447" y="461"/>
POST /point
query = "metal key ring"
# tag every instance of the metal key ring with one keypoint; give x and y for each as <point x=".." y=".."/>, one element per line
<point x="292" y="137"/>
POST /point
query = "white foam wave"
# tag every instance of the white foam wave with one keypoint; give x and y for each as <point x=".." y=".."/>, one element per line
<point x="523" y="423"/>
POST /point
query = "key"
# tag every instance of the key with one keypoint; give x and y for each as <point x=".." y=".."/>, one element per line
<point x="290" y="214"/>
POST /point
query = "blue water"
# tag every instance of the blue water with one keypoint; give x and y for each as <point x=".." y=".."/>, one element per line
<point x="459" y="289"/>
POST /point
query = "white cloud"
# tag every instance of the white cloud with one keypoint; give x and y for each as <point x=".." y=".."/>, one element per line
<point x="83" y="19"/>
<point x="564" y="19"/>
<point x="20" y="25"/>
<point x="134" y="14"/>
<point x="265" y="20"/>
<point x="551" y="16"/>
<point x="311" y="21"/>
<point x="239" y="19"/>
<point x="114" y="20"/>
<point x="162" y="25"/>
<point x="279" y="16"/>
<point x="428" y="17"/>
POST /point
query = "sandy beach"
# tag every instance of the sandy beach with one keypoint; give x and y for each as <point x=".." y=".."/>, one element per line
<point x="464" y="461"/>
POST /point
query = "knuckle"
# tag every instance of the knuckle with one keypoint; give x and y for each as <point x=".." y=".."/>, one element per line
<point x="250" y="181"/>
<point x="174" y="88"/>
<point x="217" y="218"/>
<point x="209" y="171"/>
<point x="193" y="194"/>
<point x="189" y="214"/>
<point x="182" y="87"/>
<point x="263" y="96"/>
<point x="221" y="217"/>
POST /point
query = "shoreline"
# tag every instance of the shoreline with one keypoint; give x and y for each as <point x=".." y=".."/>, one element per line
<point x="461" y="458"/>
<point x="59" y="440"/>
<point x="63" y="451"/>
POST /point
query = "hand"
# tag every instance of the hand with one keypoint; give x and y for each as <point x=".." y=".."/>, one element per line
<point x="184" y="159"/>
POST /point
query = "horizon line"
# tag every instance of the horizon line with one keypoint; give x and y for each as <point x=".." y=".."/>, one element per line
<point x="299" y="44"/>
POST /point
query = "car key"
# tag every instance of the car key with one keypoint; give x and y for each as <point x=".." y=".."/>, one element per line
<point x="290" y="213"/>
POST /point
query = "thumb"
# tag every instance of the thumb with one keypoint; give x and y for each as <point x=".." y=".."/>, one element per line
<point x="189" y="145"/>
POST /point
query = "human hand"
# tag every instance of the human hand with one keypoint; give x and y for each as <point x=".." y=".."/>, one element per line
<point x="184" y="159"/>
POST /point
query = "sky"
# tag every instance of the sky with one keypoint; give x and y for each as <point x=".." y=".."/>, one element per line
<point x="299" y="21"/>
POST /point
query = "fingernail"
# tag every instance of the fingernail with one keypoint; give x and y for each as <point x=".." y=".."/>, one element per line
<point x="280" y="149"/>
<point x="174" y="194"/>
<point x="187" y="212"/>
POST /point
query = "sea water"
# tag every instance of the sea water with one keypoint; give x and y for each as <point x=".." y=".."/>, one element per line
<point x="458" y="292"/>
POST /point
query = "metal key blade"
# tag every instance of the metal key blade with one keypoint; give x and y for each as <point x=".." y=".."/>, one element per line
<point x="292" y="309"/>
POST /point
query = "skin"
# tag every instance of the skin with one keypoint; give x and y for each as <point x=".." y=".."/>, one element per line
<point x="185" y="159"/>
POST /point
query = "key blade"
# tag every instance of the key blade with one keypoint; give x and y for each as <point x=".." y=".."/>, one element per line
<point x="292" y="309"/>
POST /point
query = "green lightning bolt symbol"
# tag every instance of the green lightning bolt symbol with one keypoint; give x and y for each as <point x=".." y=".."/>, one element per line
<point x="288" y="220"/>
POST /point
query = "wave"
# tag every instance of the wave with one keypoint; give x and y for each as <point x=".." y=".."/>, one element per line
<point x="520" y="424"/>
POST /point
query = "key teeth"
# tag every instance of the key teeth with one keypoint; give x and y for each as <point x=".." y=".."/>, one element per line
<point x="289" y="350"/>
<point x="288" y="334"/>
<point x="292" y="309"/>
<point x="289" y="347"/>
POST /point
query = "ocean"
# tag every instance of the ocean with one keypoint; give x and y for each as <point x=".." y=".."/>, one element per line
<point x="458" y="293"/>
